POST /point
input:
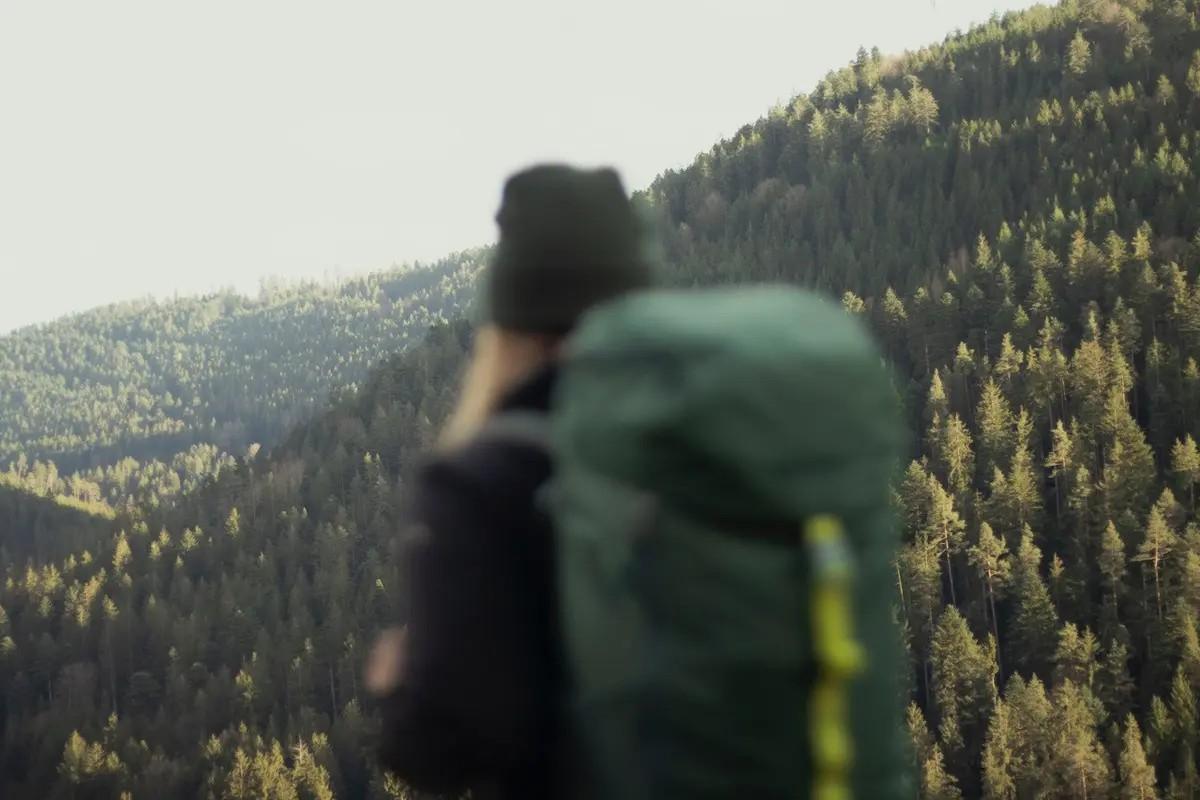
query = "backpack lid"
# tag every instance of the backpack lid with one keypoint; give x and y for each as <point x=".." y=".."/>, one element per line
<point x="750" y="404"/>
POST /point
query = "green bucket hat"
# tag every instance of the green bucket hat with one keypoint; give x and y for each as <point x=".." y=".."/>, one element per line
<point x="569" y="239"/>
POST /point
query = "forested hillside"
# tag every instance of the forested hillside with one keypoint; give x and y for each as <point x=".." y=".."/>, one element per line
<point x="1016" y="213"/>
<point x="222" y="638"/>
<point x="1013" y="211"/>
<point x="149" y="379"/>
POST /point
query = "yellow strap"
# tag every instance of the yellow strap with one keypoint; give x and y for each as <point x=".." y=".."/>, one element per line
<point x="839" y="658"/>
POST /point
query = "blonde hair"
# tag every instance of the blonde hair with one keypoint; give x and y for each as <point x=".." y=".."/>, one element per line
<point x="500" y="360"/>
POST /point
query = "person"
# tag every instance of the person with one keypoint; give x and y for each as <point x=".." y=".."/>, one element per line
<point x="469" y="688"/>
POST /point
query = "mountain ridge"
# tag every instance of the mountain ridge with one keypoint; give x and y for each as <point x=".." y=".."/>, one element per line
<point x="150" y="379"/>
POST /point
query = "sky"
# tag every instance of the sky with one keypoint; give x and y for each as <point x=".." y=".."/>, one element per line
<point x="160" y="148"/>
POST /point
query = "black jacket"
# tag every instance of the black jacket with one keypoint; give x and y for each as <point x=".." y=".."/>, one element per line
<point x="477" y="708"/>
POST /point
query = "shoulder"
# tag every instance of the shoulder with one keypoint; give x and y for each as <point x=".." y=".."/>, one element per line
<point x="489" y="469"/>
<point x="482" y="486"/>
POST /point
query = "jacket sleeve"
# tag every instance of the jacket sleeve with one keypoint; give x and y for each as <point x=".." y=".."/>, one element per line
<point x="468" y="706"/>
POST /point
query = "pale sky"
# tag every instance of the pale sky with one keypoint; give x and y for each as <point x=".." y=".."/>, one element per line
<point x="149" y="148"/>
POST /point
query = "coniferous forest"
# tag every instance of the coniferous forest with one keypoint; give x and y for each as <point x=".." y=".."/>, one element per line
<point x="146" y="379"/>
<point x="1014" y="211"/>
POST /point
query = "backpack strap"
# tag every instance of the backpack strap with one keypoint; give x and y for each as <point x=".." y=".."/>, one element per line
<point x="839" y="657"/>
<point x="528" y="428"/>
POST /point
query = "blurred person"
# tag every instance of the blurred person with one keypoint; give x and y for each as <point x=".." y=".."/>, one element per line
<point x="653" y="559"/>
<point x="471" y="687"/>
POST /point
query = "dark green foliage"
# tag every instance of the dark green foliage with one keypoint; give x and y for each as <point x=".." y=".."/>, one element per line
<point x="1029" y="256"/>
<point x="224" y="634"/>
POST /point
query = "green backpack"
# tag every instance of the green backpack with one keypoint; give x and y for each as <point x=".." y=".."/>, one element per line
<point x="722" y="465"/>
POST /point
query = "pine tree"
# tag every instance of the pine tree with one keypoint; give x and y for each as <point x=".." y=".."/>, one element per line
<point x="1157" y="543"/>
<point x="963" y="688"/>
<point x="1120" y="376"/>
<point x="312" y="779"/>
<point x="1110" y="563"/>
<point x="999" y="761"/>
<point x="1182" y="704"/>
<point x="1184" y="638"/>
<point x="996" y="429"/>
<point x="989" y="557"/>
<point x="1021" y="496"/>
<point x="1115" y="685"/>
<point x="935" y="781"/>
<point x="1184" y="782"/>
<point x="1061" y="462"/>
<point x="913" y="498"/>
<point x="918" y="566"/>
<point x="1075" y="657"/>
<point x="89" y="768"/>
<point x="1164" y="91"/>
<point x="1090" y="391"/>
<point x="233" y="523"/>
<point x="1185" y="464"/>
<point x="1079" y="56"/>
<point x="853" y="304"/>
<point x="1193" y="75"/>
<point x="1129" y="470"/>
<point x="964" y="371"/>
<point x="1048" y="371"/>
<point x="1030" y="716"/>
<point x="895" y="321"/>
<point x="957" y="457"/>
<point x="1079" y="767"/>
<point x="1138" y="781"/>
<point x="1041" y="293"/>
<point x="937" y="404"/>
<point x="922" y="108"/>
<point x="1161" y="734"/>
<point x="1174" y="514"/>
<point x="945" y="527"/>
<point x="1032" y="630"/>
<point x="918" y="733"/>
<point x="879" y="120"/>
<point x="1008" y="366"/>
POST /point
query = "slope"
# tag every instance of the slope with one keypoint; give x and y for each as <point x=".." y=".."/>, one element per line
<point x="240" y="611"/>
<point x="149" y="379"/>
<point x="1015" y="213"/>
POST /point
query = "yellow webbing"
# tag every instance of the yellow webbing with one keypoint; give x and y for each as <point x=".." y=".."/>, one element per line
<point x="838" y="658"/>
